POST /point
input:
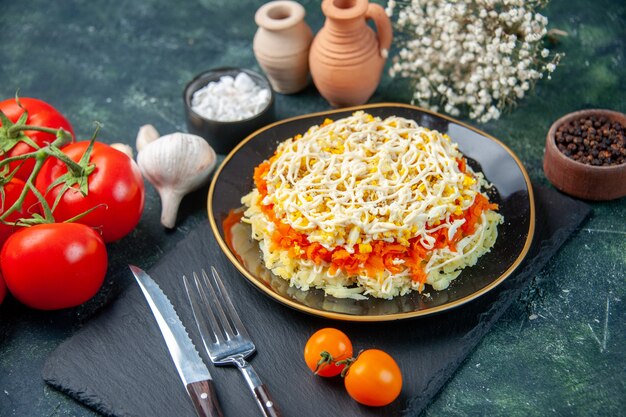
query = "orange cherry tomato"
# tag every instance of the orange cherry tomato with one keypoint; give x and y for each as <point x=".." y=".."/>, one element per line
<point x="374" y="378"/>
<point x="324" y="349"/>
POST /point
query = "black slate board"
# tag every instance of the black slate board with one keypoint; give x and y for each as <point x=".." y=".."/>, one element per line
<point x="119" y="365"/>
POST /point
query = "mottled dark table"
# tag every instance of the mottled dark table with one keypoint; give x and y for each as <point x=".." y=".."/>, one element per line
<point x="559" y="350"/>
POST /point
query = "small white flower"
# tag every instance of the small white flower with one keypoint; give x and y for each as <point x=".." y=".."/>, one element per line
<point x="391" y="4"/>
<point x="461" y="54"/>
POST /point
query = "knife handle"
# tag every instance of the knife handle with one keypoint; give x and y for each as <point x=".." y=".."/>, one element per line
<point x="204" y="398"/>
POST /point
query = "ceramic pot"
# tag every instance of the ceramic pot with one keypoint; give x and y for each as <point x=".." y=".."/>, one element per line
<point x="281" y="45"/>
<point x="347" y="57"/>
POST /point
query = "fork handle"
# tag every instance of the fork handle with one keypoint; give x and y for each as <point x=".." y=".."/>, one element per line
<point x="265" y="401"/>
<point x="263" y="398"/>
<point x="204" y="398"/>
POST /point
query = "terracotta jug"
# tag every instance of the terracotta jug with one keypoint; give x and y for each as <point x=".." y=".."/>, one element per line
<point x="347" y="57"/>
<point x="281" y="45"/>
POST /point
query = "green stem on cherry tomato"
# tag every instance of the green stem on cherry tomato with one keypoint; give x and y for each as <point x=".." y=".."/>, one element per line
<point x="326" y="359"/>
<point x="348" y="362"/>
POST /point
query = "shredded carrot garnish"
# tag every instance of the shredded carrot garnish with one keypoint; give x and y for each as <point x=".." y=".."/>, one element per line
<point x="462" y="164"/>
<point x="363" y="260"/>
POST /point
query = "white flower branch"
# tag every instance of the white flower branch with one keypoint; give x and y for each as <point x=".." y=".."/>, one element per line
<point x="476" y="57"/>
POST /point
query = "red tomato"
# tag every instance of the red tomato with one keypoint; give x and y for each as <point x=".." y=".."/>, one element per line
<point x="326" y="347"/>
<point x="12" y="191"/>
<point x="116" y="190"/>
<point x="374" y="378"/>
<point x="54" y="266"/>
<point x="3" y="289"/>
<point x="40" y="114"/>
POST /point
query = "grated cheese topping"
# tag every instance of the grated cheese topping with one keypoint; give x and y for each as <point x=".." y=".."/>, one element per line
<point x="362" y="179"/>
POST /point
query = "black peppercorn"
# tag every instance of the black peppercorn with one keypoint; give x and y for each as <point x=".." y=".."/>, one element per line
<point x="592" y="140"/>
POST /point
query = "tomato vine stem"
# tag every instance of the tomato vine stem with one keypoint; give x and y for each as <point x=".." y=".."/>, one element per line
<point x="77" y="172"/>
<point x="40" y="155"/>
<point x="12" y="131"/>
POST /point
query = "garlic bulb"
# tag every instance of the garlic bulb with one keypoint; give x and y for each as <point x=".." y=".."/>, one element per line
<point x="176" y="164"/>
<point x="146" y="134"/>
<point x="122" y="147"/>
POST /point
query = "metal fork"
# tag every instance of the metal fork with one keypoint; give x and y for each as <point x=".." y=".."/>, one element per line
<point x="224" y="337"/>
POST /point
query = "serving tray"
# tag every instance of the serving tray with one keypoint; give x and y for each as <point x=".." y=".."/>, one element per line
<point x="118" y="363"/>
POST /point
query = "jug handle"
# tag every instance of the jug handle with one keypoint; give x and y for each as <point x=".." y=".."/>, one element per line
<point x="377" y="13"/>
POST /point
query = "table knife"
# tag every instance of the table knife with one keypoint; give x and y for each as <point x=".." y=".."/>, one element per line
<point x="193" y="372"/>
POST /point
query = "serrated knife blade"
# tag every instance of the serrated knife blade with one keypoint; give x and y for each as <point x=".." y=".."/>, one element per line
<point x="191" y="369"/>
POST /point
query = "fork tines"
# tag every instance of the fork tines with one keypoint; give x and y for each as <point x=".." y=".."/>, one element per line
<point x="218" y="322"/>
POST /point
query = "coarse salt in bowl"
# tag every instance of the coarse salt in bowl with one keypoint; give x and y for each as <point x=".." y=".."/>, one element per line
<point x="224" y="105"/>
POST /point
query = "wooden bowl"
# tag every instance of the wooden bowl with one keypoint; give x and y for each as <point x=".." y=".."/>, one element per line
<point x="580" y="180"/>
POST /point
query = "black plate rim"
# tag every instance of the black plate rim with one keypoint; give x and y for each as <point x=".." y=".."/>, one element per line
<point x="369" y="318"/>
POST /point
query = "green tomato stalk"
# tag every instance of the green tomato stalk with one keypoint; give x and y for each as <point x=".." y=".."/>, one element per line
<point x="40" y="155"/>
<point x="78" y="172"/>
